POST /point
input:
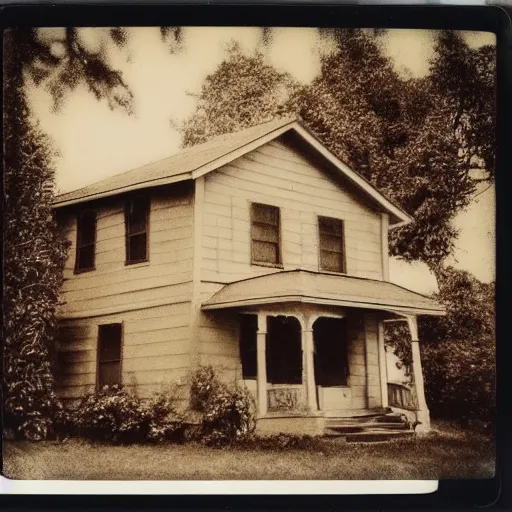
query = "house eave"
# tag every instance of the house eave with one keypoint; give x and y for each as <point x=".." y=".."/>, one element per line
<point x="397" y="216"/>
<point x="122" y="190"/>
<point x="342" y="302"/>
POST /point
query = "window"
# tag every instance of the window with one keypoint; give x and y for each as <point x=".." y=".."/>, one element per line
<point x="332" y="246"/>
<point x="265" y="235"/>
<point x="109" y="354"/>
<point x="248" y="331"/>
<point x="86" y="241"/>
<point x="284" y="350"/>
<point x="136" y="218"/>
<point x="331" y="357"/>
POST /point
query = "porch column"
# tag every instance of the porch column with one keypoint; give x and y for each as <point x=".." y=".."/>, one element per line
<point x="261" y="377"/>
<point x="308" y="372"/>
<point x="422" y="412"/>
<point x="383" y="366"/>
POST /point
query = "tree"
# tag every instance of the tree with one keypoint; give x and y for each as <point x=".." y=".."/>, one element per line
<point x="458" y="350"/>
<point x="466" y="78"/>
<point x="242" y="92"/>
<point x="34" y="256"/>
<point x="34" y="251"/>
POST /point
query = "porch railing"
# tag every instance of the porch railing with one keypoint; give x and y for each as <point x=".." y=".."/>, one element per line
<point x="400" y="396"/>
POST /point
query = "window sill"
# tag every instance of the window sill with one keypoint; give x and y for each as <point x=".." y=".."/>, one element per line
<point x="137" y="264"/>
<point x="332" y="273"/>
<point x="267" y="265"/>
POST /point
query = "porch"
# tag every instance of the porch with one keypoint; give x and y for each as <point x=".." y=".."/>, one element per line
<point x="315" y="358"/>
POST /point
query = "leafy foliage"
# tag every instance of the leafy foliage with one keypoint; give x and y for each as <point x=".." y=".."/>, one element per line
<point x="458" y="351"/>
<point x="64" y="59"/>
<point x="227" y="409"/>
<point x="466" y="79"/>
<point x="114" y="415"/>
<point x="34" y="256"/>
<point x="242" y="92"/>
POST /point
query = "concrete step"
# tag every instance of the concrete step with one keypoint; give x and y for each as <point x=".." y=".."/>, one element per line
<point x="356" y="413"/>
<point x="366" y="420"/>
<point x="343" y="427"/>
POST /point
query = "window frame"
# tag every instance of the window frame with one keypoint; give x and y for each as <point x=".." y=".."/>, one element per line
<point x="79" y="245"/>
<point x="343" y="246"/>
<point x="98" y="354"/>
<point x="129" y="235"/>
<point x="279" y="263"/>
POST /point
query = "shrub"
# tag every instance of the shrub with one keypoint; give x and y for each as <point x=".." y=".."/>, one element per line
<point x="166" y="422"/>
<point x="228" y="410"/>
<point x="112" y="414"/>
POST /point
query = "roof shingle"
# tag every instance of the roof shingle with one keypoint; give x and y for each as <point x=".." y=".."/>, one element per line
<point x="322" y="288"/>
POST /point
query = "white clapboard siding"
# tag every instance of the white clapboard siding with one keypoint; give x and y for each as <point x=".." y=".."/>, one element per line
<point x="155" y="348"/>
<point x="137" y="299"/>
<point x="279" y="175"/>
<point x="167" y="276"/>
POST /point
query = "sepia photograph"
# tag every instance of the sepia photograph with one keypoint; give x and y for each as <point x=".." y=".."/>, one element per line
<point x="249" y="253"/>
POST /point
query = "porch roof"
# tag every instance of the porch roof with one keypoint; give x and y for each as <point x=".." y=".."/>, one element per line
<point x="322" y="288"/>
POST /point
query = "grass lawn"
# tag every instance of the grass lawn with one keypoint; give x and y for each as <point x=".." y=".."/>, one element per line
<point x="447" y="452"/>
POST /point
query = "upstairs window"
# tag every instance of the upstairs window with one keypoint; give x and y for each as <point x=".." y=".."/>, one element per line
<point x="136" y="219"/>
<point x="332" y="244"/>
<point x="109" y="354"/>
<point x="265" y="235"/>
<point x="86" y="241"/>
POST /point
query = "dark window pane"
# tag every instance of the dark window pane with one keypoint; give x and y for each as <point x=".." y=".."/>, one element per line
<point x="265" y="252"/>
<point x="85" y="257"/>
<point x="265" y="214"/>
<point x="331" y="261"/>
<point x="284" y="351"/>
<point x="110" y="342"/>
<point x="331" y="243"/>
<point x="328" y="225"/>
<point x="137" y="215"/>
<point x="137" y="247"/>
<point x="248" y="355"/>
<point x="265" y="233"/>
<point x="86" y="228"/>
<point x="331" y="360"/>
<point x="109" y="374"/>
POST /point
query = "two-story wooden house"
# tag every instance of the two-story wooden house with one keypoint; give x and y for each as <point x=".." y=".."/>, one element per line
<point x="258" y="252"/>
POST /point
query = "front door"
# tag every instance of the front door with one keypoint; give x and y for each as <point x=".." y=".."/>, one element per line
<point x="331" y="363"/>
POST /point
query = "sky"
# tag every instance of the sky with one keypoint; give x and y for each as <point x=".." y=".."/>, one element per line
<point x="94" y="142"/>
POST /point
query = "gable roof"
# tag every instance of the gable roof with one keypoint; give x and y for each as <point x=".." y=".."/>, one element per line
<point x="322" y="288"/>
<point x="196" y="161"/>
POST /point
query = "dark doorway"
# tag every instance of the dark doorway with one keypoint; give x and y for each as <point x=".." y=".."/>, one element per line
<point x="331" y="360"/>
<point x="284" y="350"/>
